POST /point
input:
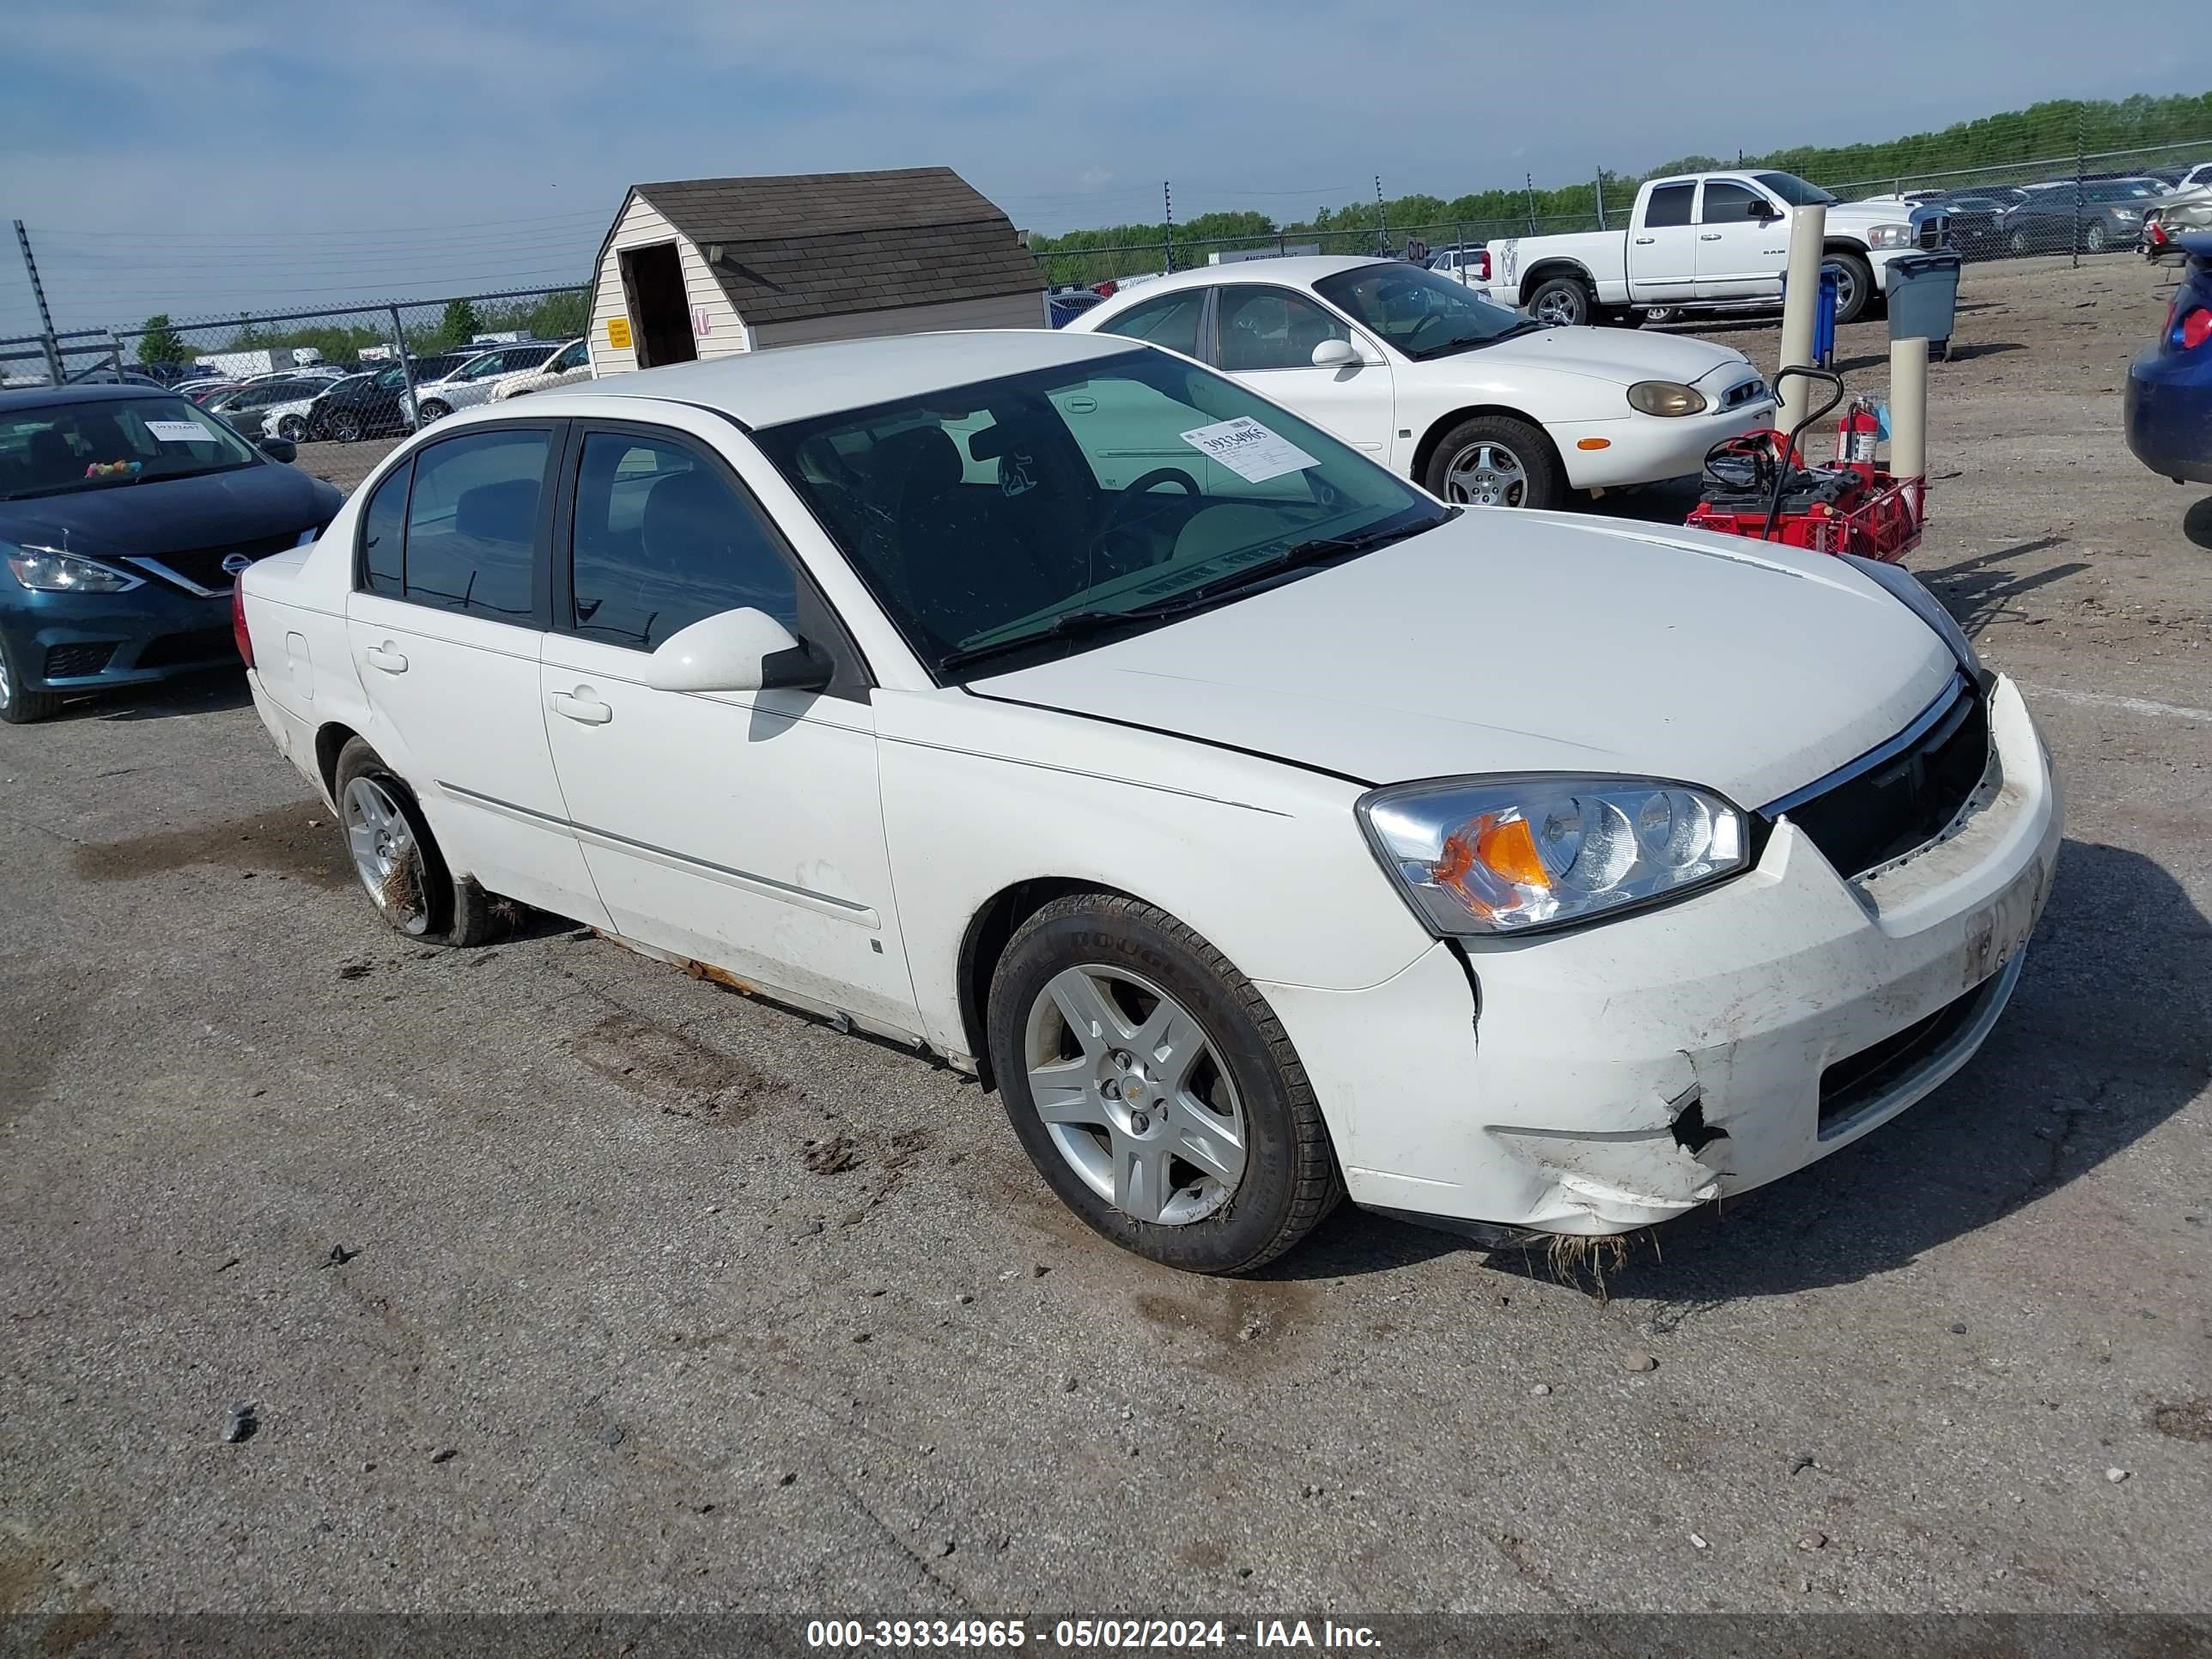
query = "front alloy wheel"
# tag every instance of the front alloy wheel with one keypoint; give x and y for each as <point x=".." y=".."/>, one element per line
<point x="1133" y="1096"/>
<point x="293" y="427"/>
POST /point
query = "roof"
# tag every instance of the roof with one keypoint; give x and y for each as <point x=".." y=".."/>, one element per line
<point x="43" y="397"/>
<point x="830" y="244"/>
<point x="795" y="383"/>
<point x="1299" y="270"/>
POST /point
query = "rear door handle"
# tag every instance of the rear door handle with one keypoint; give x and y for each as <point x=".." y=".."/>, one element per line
<point x="384" y="657"/>
<point x="581" y="708"/>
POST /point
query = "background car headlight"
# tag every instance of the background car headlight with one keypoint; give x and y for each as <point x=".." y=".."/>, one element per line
<point x="1666" y="398"/>
<point x="1905" y="585"/>
<point x="1484" y="856"/>
<point x="1892" y="236"/>
<point x="50" y="570"/>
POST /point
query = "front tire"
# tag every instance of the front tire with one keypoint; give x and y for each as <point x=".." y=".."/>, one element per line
<point x="431" y="411"/>
<point x="1495" y="460"/>
<point x="19" y="704"/>
<point x="293" y="427"/>
<point x="346" y="428"/>
<point x="1154" y="1088"/>
<point x="2093" y="239"/>
<point x="1854" y="284"/>
<point x="1561" y="302"/>
<point x="398" y="859"/>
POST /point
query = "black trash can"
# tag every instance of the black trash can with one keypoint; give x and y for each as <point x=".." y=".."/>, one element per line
<point x="1923" y="291"/>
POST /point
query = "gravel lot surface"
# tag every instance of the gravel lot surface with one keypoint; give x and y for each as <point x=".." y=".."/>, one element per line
<point x="555" y="1278"/>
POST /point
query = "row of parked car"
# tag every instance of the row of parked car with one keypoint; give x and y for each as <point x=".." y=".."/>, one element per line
<point x="2058" y="216"/>
<point x="317" y="403"/>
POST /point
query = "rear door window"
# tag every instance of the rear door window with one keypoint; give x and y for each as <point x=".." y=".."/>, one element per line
<point x="1171" y="321"/>
<point x="473" y="518"/>
<point x="1670" y="205"/>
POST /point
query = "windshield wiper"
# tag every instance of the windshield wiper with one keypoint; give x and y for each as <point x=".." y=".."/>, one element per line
<point x="1081" y="624"/>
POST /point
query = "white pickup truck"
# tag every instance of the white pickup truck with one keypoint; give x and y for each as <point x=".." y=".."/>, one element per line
<point x="1704" y="241"/>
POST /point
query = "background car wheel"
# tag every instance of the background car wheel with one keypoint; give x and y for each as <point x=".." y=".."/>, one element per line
<point x="433" y="411"/>
<point x="1854" y="285"/>
<point x="2020" y="244"/>
<point x="1562" y="302"/>
<point x="293" y="427"/>
<point x="396" y="857"/>
<point x="19" y="704"/>
<point x="1661" y="314"/>
<point x="2093" y="239"/>
<point x="346" y="428"/>
<point x="1154" y="1089"/>
<point x="1494" y="460"/>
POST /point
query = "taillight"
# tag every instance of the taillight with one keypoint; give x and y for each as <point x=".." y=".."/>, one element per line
<point x="1480" y="264"/>
<point x="1105" y="290"/>
<point x="2195" y="328"/>
<point x="239" y="632"/>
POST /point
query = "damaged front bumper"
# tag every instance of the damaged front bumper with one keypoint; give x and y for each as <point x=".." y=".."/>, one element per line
<point x="1620" y="1075"/>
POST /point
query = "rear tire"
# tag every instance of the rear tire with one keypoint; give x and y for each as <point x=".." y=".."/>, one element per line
<point x="397" y="857"/>
<point x="1130" y="961"/>
<point x="433" y="411"/>
<point x="346" y="428"/>
<point x="1562" y="302"/>
<point x="19" y="704"/>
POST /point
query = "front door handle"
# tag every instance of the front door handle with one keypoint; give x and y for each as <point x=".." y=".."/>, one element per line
<point x="384" y="657"/>
<point x="1709" y="236"/>
<point x="582" y="707"/>
<point x="1645" y="241"/>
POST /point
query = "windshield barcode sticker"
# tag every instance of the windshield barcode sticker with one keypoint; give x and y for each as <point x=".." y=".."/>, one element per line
<point x="180" y="432"/>
<point x="1249" y="450"/>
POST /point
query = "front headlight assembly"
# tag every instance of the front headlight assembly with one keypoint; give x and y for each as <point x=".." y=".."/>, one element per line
<point x="51" y="570"/>
<point x="1480" y="857"/>
<point x="1666" y="398"/>
<point x="1892" y="236"/>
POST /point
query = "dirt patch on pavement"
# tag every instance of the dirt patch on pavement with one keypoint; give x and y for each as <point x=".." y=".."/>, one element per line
<point x="679" y="1073"/>
<point x="265" y="844"/>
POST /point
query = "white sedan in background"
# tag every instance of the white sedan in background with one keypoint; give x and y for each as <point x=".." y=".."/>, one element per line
<point x="1264" y="829"/>
<point x="1473" y="402"/>
<point x="471" y="382"/>
<point x="572" y="363"/>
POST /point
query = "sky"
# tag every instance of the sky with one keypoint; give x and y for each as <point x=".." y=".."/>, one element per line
<point x="204" y="159"/>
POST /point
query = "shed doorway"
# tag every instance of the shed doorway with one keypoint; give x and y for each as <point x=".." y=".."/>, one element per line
<point x="659" y="308"/>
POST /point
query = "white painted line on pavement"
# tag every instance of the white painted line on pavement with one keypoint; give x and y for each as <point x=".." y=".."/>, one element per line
<point x="2170" y="711"/>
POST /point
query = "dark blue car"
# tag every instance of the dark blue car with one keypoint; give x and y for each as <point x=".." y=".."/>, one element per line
<point x="2169" y="407"/>
<point x="125" y="515"/>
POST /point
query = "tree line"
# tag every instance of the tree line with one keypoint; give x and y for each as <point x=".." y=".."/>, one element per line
<point x="555" y="317"/>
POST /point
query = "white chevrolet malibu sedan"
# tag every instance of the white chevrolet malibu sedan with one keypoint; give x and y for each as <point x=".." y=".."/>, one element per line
<point x="1475" y="402"/>
<point x="1262" y="829"/>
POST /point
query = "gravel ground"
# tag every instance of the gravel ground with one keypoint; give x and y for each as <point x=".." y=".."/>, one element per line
<point x="556" y="1279"/>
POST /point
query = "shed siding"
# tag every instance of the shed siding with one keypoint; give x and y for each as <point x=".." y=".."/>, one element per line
<point x="1007" y="311"/>
<point x="642" y="225"/>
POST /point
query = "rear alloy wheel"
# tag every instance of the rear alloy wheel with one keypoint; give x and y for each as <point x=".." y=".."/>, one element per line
<point x="19" y="704"/>
<point x="1854" y="284"/>
<point x="346" y="428"/>
<point x="293" y="427"/>
<point x="433" y="411"/>
<point x="1562" y="302"/>
<point x="396" y="857"/>
<point x="1154" y="1089"/>
<point x="1494" y="460"/>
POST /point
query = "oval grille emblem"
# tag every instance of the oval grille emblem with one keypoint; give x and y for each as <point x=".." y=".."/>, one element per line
<point x="234" y="562"/>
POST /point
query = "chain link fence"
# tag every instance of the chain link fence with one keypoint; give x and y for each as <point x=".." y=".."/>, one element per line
<point x="341" y="384"/>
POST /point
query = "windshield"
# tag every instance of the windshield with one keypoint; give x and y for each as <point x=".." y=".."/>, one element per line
<point x="1792" y="189"/>
<point x="61" y="448"/>
<point x="988" y="517"/>
<point x="1420" y="312"/>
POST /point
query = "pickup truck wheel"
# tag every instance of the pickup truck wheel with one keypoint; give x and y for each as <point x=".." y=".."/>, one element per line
<point x="1854" y="284"/>
<point x="1494" y="460"/>
<point x="1561" y="302"/>
<point x="1154" y="1088"/>
<point x="398" y="859"/>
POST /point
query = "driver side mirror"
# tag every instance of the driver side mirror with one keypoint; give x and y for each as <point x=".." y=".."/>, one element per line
<point x="1336" y="354"/>
<point x="278" y="449"/>
<point x="741" y="650"/>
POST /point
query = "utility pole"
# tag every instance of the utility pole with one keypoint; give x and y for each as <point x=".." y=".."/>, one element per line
<point x="46" y="317"/>
<point x="1167" y="196"/>
<point x="1382" y="219"/>
<point x="1600" y="199"/>
<point x="2080" y="165"/>
<point x="1529" y="183"/>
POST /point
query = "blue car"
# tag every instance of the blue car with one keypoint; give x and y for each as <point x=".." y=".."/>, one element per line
<point x="125" y="515"/>
<point x="2169" y="407"/>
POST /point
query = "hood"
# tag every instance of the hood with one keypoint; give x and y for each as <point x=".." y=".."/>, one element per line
<point x="173" y="515"/>
<point x="1612" y="354"/>
<point x="1509" y="641"/>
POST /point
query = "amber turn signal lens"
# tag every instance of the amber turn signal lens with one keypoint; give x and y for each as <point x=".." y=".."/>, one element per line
<point x="1593" y="443"/>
